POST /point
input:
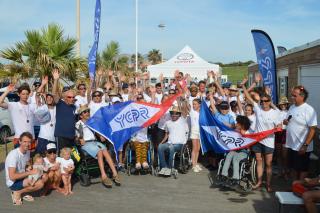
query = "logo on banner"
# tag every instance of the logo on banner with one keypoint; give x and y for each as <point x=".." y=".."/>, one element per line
<point x="133" y="115"/>
<point x="229" y="140"/>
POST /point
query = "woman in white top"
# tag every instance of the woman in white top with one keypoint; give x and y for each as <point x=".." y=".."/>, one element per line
<point x="46" y="134"/>
<point x="96" y="103"/>
<point x="195" y="134"/>
<point x="94" y="148"/>
<point x="266" y="119"/>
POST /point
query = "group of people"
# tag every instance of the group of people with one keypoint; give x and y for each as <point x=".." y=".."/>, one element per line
<point x="50" y="124"/>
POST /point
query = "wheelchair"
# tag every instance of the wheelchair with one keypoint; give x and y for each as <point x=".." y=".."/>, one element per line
<point x="86" y="167"/>
<point x="247" y="173"/>
<point x="181" y="161"/>
<point x="130" y="159"/>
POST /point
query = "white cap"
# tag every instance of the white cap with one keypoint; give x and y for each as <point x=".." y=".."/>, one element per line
<point x="51" y="146"/>
<point x="115" y="99"/>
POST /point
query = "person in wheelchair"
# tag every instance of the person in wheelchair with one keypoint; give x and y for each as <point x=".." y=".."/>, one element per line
<point x="141" y="145"/>
<point x="94" y="148"/>
<point x="242" y="125"/>
<point x="175" y="137"/>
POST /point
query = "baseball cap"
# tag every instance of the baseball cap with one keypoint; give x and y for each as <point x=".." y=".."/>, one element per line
<point x="51" y="147"/>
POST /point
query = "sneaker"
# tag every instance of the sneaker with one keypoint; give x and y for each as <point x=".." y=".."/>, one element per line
<point x="162" y="171"/>
<point x="121" y="168"/>
<point x="167" y="172"/>
<point x="199" y="167"/>
<point x="145" y="165"/>
<point x="195" y="169"/>
<point x="138" y="166"/>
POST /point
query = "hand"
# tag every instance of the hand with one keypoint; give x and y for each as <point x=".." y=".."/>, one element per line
<point x="123" y="78"/>
<point x="55" y="74"/>
<point x="244" y="81"/>
<point x="285" y="122"/>
<point x="209" y="73"/>
<point x="44" y="80"/>
<point x="99" y="72"/>
<point x="268" y="90"/>
<point x="303" y="150"/>
<point x="110" y="73"/>
<point x="10" y="88"/>
<point x="82" y="142"/>
<point x="176" y="74"/>
<point x="257" y="77"/>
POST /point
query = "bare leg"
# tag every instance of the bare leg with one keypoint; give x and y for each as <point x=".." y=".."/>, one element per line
<point x="310" y="198"/>
<point x="65" y="184"/>
<point x="109" y="161"/>
<point x="70" y="185"/>
<point x="259" y="170"/>
<point x="101" y="165"/>
<point x="37" y="186"/>
<point x="195" y="152"/>
<point x="268" y="162"/>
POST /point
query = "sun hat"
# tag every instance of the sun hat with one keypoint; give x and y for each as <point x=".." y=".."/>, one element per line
<point x="175" y="109"/>
<point x="283" y="100"/>
<point x="233" y="87"/>
<point x="83" y="108"/>
<point x="115" y="99"/>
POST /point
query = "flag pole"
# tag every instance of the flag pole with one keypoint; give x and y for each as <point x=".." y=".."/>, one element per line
<point x="78" y="28"/>
<point x="136" y="36"/>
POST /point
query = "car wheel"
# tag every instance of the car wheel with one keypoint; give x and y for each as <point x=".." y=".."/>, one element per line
<point x="4" y="133"/>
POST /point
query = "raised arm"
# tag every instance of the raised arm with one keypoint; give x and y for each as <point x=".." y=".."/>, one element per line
<point x="212" y="103"/>
<point x="220" y="90"/>
<point x="239" y="104"/>
<point x="55" y="89"/>
<point x="10" y="88"/>
<point x="44" y="82"/>
<point x="246" y="93"/>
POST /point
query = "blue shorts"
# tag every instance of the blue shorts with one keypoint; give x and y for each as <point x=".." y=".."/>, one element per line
<point x="92" y="148"/>
<point x="260" y="148"/>
<point x="17" y="185"/>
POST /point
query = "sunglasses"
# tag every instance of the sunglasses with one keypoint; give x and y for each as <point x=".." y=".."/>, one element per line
<point x="96" y="96"/>
<point x="52" y="152"/>
<point x="172" y="93"/>
<point x="265" y="101"/>
<point x="86" y="111"/>
<point x="70" y="97"/>
<point x="174" y="113"/>
<point x="82" y="88"/>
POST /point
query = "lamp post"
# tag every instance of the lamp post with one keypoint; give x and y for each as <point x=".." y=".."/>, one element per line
<point x="78" y="28"/>
<point x="136" y="35"/>
<point x="161" y="26"/>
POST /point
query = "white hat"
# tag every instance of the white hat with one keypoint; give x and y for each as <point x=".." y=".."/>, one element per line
<point x="51" y="146"/>
<point x="115" y="99"/>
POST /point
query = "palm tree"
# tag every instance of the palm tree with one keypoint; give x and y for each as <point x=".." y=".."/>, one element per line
<point x="43" y="50"/>
<point x="154" y="56"/>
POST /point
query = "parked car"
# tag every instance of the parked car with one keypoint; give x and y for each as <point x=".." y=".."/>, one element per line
<point x="6" y="126"/>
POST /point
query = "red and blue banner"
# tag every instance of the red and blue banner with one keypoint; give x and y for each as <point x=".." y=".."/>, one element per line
<point x="266" y="59"/>
<point x="93" y="52"/>
<point x="215" y="136"/>
<point x="120" y="121"/>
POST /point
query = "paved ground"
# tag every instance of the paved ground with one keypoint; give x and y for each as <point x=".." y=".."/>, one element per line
<point x="145" y="193"/>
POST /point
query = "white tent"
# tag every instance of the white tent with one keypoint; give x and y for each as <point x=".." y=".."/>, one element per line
<point x="185" y="61"/>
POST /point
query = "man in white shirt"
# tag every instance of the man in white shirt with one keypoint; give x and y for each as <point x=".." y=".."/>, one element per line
<point x="176" y="135"/>
<point x="21" y="112"/>
<point x="301" y="124"/>
<point x="16" y="173"/>
<point x="159" y="93"/>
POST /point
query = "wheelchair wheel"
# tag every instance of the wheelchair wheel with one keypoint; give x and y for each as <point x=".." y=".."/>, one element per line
<point x="175" y="173"/>
<point x="84" y="179"/>
<point x="253" y="171"/>
<point x="185" y="159"/>
<point x="246" y="186"/>
<point x="128" y="159"/>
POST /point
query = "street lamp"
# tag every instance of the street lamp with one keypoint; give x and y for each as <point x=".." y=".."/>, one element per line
<point x="136" y="35"/>
<point x="161" y="26"/>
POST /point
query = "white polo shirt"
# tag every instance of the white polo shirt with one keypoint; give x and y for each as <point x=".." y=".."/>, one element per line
<point x="178" y="131"/>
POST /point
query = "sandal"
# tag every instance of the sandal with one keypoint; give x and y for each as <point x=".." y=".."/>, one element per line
<point x="28" y="198"/>
<point x="257" y="187"/>
<point x="116" y="180"/>
<point x="15" y="201"/>
<point x="107" y="182"/>
<point x="269" y="189"/>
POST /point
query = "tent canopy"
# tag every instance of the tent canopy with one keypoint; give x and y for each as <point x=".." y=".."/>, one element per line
<point x="186" y="61"/>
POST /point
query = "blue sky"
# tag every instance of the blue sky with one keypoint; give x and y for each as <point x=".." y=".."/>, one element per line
<point x="218" y="30"/>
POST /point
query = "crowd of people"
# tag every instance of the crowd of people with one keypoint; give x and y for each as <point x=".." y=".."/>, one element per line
<point x="49" y="124"/>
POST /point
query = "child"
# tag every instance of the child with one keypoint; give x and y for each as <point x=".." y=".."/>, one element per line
<point x="242" y="126"/>
<point x="39" y="165"/>
<point x="66" y="168"/>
